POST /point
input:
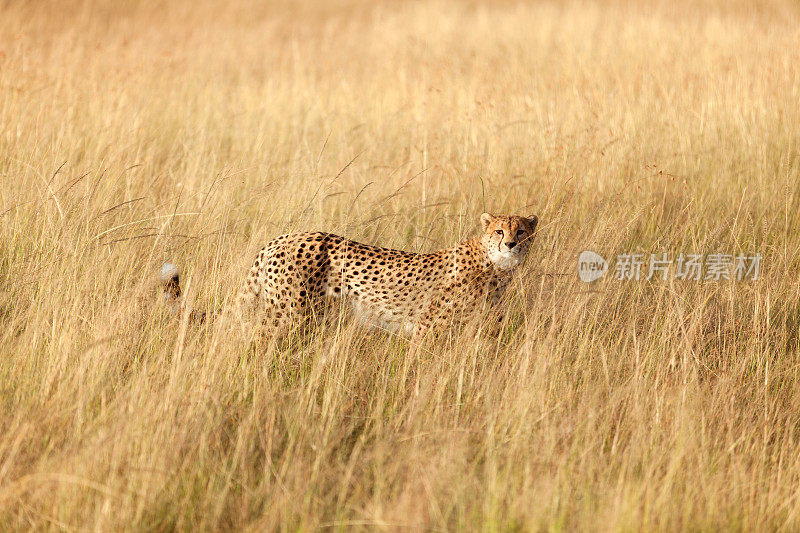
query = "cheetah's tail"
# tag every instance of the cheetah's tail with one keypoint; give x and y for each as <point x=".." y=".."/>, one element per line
<point x="170" y="278"/>
<point x="173" y="296"/>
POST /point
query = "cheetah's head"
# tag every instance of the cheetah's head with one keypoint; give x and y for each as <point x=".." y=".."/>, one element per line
<point x="507" y="238"/>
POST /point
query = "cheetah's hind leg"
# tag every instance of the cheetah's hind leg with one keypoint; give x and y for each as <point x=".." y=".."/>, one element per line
<point x="291" y="312"/>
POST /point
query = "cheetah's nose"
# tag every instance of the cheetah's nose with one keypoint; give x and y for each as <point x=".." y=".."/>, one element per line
<point x="511" y="244"/>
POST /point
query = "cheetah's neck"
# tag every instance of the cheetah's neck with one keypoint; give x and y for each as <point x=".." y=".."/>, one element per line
<point x="477" y="249"/>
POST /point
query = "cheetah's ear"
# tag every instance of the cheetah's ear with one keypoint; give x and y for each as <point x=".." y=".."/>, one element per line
<point x="533" y="220"/>
<point x="486" y="219"/>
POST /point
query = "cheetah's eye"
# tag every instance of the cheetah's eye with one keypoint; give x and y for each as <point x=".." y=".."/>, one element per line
<point x="498" y="231"/>
<point x="520" y="232"/>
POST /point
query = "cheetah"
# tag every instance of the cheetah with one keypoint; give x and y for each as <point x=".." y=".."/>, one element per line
<point x="404" y="292"/>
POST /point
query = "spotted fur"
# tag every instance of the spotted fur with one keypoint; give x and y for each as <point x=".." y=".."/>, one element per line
<point x="392" y="289"/>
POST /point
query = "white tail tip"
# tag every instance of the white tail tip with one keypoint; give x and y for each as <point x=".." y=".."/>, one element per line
<point x="168" y="272"/>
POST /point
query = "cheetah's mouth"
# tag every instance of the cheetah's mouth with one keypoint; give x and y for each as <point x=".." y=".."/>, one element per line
<point x="505" y="259"/>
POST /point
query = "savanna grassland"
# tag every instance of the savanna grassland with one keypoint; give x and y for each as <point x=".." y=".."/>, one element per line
<point x="137" y="132"/>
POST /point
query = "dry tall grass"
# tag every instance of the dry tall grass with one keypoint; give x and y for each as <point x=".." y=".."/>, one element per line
<point x="135" y="132"/>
